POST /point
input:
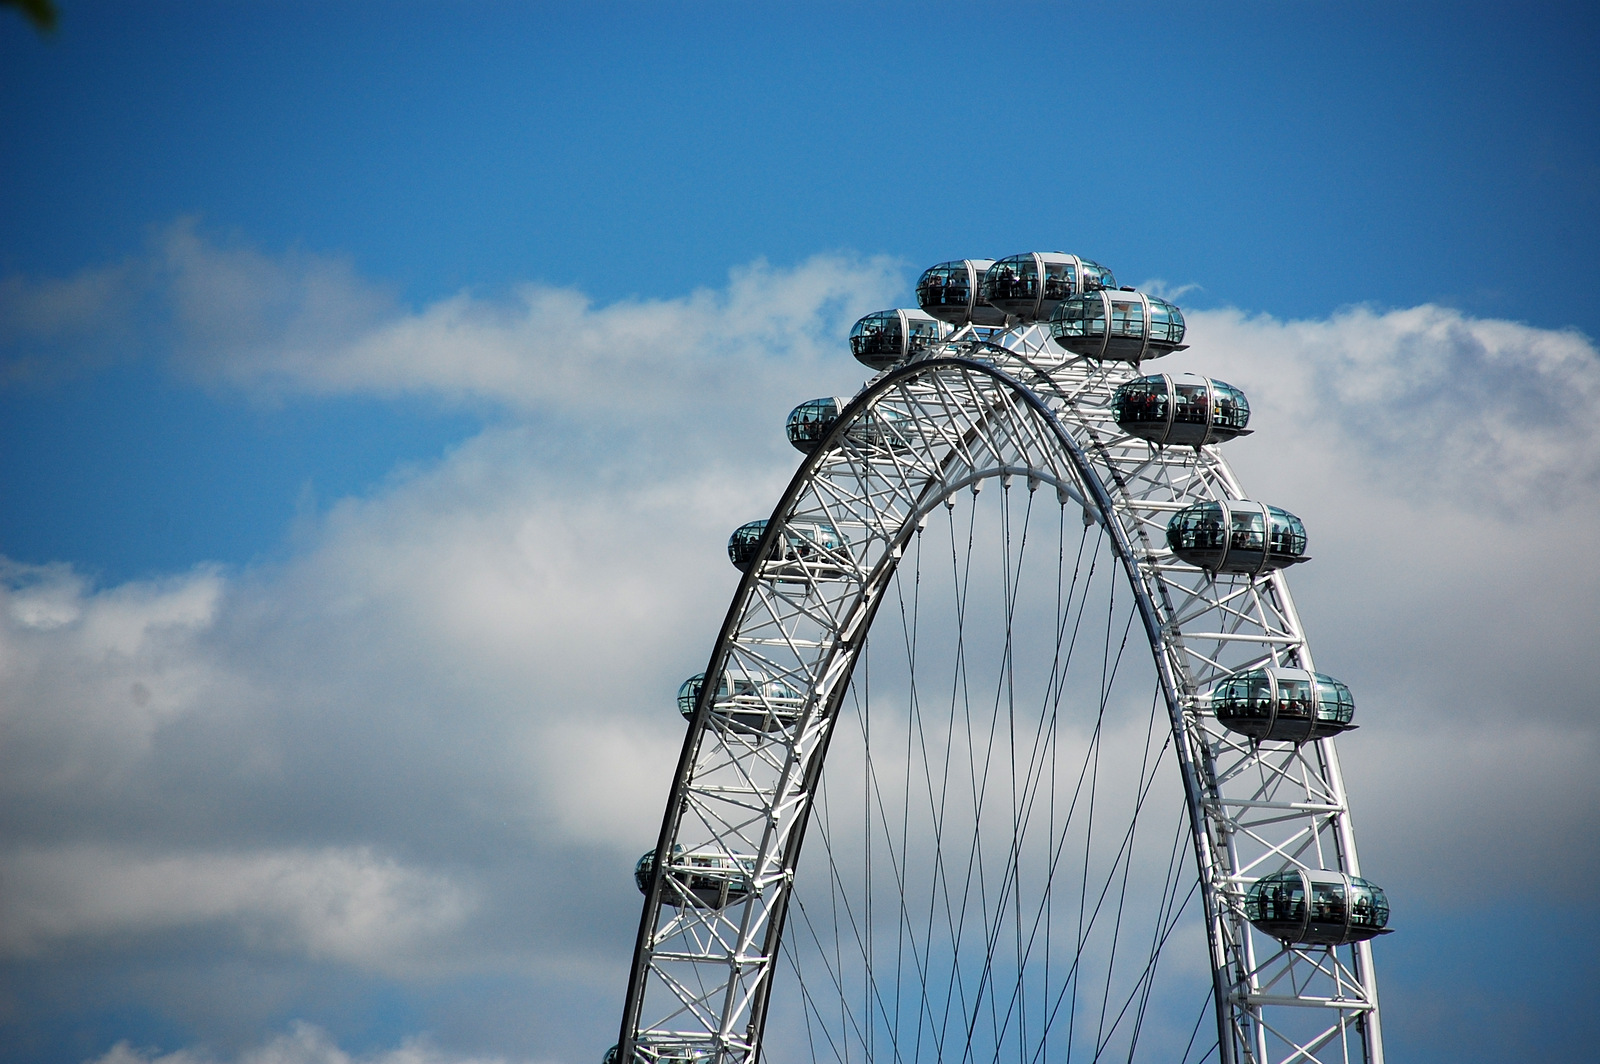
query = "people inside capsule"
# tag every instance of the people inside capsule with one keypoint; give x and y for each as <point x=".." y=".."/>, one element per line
<point x="810" y="422"/>
<point x="806" y="546"/>
<point x="1237" y="537"/>
<point x="1028" y="287"/>
<point x="1283" y="705"/>
<point x="1183" y="410"/>
<point x="1317" y="908"/>
<point x="949" y="292"/>
<point x="764" y="705"/>
<point x="1119" y="325"/>
<point x="709" y="880"/>
<point x="889" y="337"/>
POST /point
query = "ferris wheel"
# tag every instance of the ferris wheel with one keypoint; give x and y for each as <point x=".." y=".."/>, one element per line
<point x="1031" y="841"/>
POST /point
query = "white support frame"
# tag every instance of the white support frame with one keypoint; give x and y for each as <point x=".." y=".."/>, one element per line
<point x="996" y="403"/>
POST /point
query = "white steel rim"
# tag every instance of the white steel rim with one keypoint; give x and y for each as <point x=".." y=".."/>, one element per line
<point x="992" y="404"/>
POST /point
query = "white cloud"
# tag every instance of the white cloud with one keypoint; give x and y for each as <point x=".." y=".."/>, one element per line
<point x="90" y="677"/>
<point x="474" y="668"/>
<point x="305" y="323"/>
<point x="1430" y="403"/>
<point x="347" y="905"/>
<point x="233" y="302"/>
<point x="302" y="1044"/>
<point x="445" y="725"/>
<point x="1164" y="289"/>
<point x="1447" y="470"/>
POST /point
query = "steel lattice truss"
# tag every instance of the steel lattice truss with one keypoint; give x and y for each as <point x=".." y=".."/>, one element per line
<point x="986" y="404"/>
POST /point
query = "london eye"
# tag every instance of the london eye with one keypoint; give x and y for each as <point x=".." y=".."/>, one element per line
<point x="1024" y="837"/>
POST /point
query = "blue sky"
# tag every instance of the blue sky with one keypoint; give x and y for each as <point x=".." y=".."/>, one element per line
<point x="1286" y="159"/>
<point x="337" y="343"/>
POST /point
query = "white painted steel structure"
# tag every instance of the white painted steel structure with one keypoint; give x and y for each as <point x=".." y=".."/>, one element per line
<point x="1000" y="406"/>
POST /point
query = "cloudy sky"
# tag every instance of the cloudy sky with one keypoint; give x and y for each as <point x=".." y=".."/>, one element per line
<point x="379" y="384"/>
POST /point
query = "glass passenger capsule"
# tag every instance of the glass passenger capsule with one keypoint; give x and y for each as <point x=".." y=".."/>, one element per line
<point x="1317" y="908"/>
<point x="877" y="429"/>
<point x="665" y="1052"/>
<point x="762" y="705"/>
<point x="804" y="548"/>
<point x="1028" y="287"/>
<point x="950" y="292"/>
<point x="809" y="422"/>
<point x="1286" y="705"/>
<point x="889" y="337"/>
<point x="1237" y="537"/>
<point x="1119" y="325"/>
<point x="1186" y="410"/>
<point x="699" y="880"/>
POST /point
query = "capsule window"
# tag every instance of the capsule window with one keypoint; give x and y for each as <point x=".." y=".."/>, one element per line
<point x="876" y="337"/>
<point x="746" y="704"/>
<point x="1143" y="401"/>
<point x="873" y="430"/>
<point x="1060" y="279"/>
<point x="1283" y="704"/>
<point x="1294" y="698"/>
<point x="1236" y="537"/>
<point x="698" y="880"/>
<point x="1115" y="325"/>
<point x="805" y="546"/>
<point x="958" y="286"/>
<point x="1327" y="903"/>
<point x="956" y="293"/>
<point x="1317" y="908"/>
<point x="1166" y="323"/>
<point x="1334" y="702"/>
<point x="1127" y="318"/>
<point x="664" y="1053"/>
<point x="689" y="693"/>
<point x="1014" y="280"/>
<point x="1233" y="410"/>
<point x="1246" y="530"/>
<point x="1192" y="405"/>
<point x="1089" y="317"/>
<point x="1258" y="694"/>
<point x="809" y="422"/>
<point x="923" y="332"/>
<point x="1160" y="320"/>
<point x="1288" y="533"/>
<point x="1097" y="276"/>
<point x="1369" y="907"/>
<point x="1198" y="528"/>
<point x="945" y="286"/>
<point x="1277" y="899"/>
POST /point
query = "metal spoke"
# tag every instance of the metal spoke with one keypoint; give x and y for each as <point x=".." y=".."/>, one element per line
<point x="982" y="894"/>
